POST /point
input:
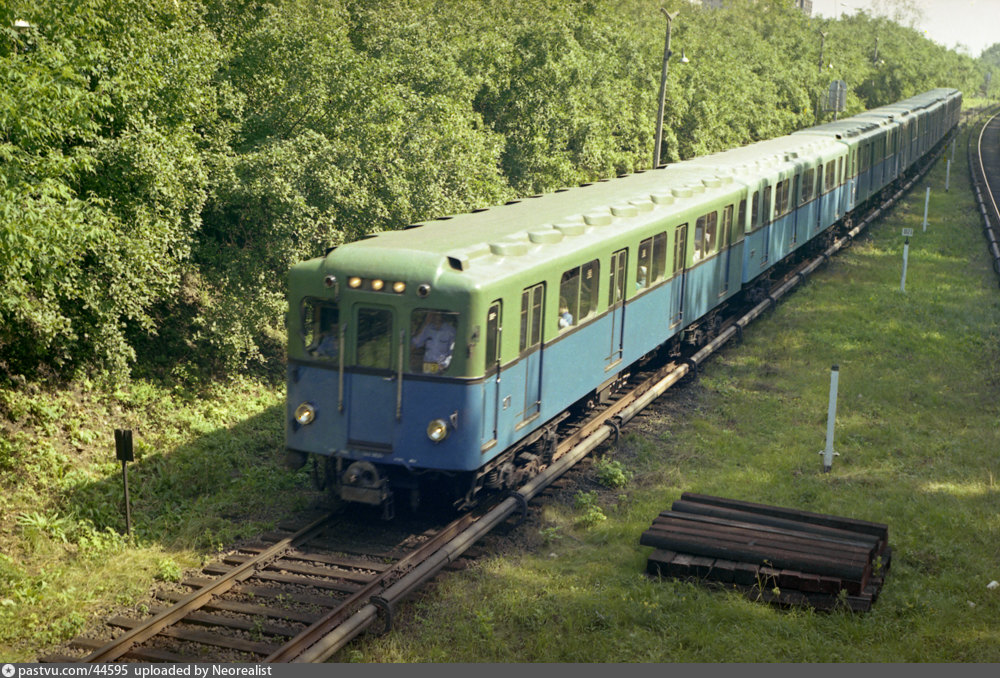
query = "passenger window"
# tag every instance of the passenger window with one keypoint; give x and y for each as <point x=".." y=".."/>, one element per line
<point x="831" y="176"/>
<point x="755" y="211"/>
<point x="320" y="329"/>
<point x="705" y="232"/>
<point x="741" y="218"/>
<point x="432" y="340"/>
<point x="781" y="198"/>
<point x="374" y="338"/>
<point x="808" y="178"/>
<point x="652" y="261"/>
<point x="493" y="335"/>
<point x="659" y="256"/>
<point x="531" y="316"/>
<point x="578" y="294"/>
<point x="766" y="208"/>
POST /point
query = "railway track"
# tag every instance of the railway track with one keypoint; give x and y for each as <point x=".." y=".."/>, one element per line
<point x="984" y="168"/>
<point x="302" y="595"/>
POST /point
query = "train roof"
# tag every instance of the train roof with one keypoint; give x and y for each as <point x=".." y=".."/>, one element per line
<point x="483" y="244"/>
<point x="516" y="234"/>
<point x="506" y="239"/>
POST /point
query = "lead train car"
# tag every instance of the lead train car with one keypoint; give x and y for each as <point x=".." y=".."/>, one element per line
<point x="432" y="358"/>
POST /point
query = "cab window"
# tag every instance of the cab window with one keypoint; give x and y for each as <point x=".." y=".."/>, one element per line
<point x="432" y="340"/>
<point x="320" y="329"/>
<point x="374" y="337"/>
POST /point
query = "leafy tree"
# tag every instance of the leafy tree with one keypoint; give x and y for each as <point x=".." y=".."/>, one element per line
<point x="102" y="185"/>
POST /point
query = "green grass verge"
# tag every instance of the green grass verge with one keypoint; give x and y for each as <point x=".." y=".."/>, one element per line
<point x="918" y="434"/>
<point x="206" y="474"/>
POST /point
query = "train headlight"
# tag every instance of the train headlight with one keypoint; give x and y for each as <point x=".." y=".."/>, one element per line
<point x="377" y="285"/>
<point x="399" y="287"/>
<point x="305" y="414"/>
<point x="354" y="282"/>
<point x="437" y="430"/>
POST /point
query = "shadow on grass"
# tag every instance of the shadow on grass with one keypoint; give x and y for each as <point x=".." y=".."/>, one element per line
<point x="223" y="486"/>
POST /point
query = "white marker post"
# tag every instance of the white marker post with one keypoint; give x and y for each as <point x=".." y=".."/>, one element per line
<point x="907" y="232"/>
<point x="927" y="201"/>
<point x="828" y="453"/>
<point x="947" y="176"/>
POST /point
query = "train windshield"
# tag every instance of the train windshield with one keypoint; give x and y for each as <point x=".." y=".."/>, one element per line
<point x="432" y="341"/>
<point x="321" y="329"/>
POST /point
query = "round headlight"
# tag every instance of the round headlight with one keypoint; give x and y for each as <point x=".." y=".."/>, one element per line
<point x="437" y="430"/>
<point x="305" y="414"/>
<point x="354" y="282"/>
<point x="377" y="284"/>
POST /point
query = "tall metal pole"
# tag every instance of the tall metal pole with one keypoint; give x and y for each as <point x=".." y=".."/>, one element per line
<point x="663" y="89"/>
<point x="819" y="100"/>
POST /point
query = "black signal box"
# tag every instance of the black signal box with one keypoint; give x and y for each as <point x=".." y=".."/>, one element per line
<point x="123" y="444"/>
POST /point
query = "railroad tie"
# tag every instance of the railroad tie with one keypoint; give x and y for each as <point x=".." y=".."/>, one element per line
<point x="774" y="554"/>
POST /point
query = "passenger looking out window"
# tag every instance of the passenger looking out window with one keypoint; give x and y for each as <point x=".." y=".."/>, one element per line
<point x="577" y="294"/>
<point x="565" y="317"/>
<point x="433" y="341"/>
<point x="705" y="235"/>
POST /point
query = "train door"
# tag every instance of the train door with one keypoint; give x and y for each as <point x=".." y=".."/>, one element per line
<point x="532" y="306"/>
<point x="491" y="385"/>
<point x="765" y="219"/>
<point x="616" y="304"/>
<point x="680" y="280"/>
<point x="725" y="246"/>
<point x="372" y="401"/>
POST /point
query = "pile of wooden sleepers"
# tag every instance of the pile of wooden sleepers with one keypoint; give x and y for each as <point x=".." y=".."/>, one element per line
<point x="774" y="554"/>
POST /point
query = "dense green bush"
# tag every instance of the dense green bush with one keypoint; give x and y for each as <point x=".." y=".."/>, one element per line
<point x="164" y="162"/>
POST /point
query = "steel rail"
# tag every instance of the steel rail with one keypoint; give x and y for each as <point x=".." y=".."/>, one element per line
<point x="979" y="181"/>
<point x="982" y="168"/>
<point x="120" y="646"/>
<point x="320" y="627"/>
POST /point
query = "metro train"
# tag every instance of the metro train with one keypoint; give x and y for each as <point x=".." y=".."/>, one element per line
<point x="437" y="359"/>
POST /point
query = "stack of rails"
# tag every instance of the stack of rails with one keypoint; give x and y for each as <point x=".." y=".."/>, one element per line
<point x="778" y="555"/>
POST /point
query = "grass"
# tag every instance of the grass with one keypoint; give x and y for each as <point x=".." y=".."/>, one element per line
<point x="206" y="474"/>
<point x="917" y="432"/>
<point x="918" y="429"/>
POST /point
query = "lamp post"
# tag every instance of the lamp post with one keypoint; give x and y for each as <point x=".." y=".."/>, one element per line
<point x="663" y="88"/>
<point x="822" y="47"/>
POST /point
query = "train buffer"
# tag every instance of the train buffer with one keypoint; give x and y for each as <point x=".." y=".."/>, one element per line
<point x="777" y="555"/>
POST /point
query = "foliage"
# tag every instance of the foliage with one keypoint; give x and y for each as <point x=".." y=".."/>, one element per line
<point x="103" y="175"/>
<point x="592" y="513"/>
<point x="611" y="473"/>
<point x="165" y="162"/>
